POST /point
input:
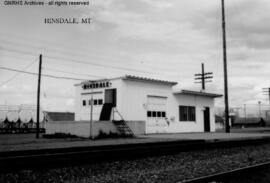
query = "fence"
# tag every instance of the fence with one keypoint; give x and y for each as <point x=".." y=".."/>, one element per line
<point x="247" y="115"/>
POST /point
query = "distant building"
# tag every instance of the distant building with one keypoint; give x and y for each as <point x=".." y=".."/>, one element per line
<point x="219" y="122"/>
<point x="61" y="116"/>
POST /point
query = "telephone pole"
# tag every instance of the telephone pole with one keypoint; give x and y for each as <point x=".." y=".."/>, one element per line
<point x="91" y="113"/>
<point x="225" y="69"/>
<point x="259" y="103"/>
<point x="203" y="77"/>
<point x="266" y="91"/>
<point x="245" y="112"/>
<point x="38" y="95"/>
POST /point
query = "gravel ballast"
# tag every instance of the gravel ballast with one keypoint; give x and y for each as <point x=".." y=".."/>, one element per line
<point x="169" y="168"/>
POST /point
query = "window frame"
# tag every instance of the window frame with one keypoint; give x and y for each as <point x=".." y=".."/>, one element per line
<point x="100" y="101"/>
<point x="187" y="113"/>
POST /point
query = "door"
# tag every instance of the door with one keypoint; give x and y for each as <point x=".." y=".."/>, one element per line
<point x="156" y="114"/>
<point x="110" y="97"/>
<point x="206" y="119"/>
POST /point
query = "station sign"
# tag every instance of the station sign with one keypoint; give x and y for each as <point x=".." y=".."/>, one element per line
<point x="92" y="85"/>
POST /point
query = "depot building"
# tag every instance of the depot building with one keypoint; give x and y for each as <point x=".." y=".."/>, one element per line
<point x="146" y="105"/>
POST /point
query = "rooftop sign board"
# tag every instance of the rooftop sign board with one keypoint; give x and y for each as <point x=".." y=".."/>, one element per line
<point x="92" y="85"/>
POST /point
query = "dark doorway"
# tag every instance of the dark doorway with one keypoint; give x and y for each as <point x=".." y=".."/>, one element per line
<point x="110" y="97"/>
<point x="109" y="103"/>
<point x="206" y="115"/>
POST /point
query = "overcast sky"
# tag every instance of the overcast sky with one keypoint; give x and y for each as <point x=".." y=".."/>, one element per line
<point x="163" y="39"/>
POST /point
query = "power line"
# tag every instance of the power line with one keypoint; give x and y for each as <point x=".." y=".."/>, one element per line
<point x="18" y="51"/>
<point x="118" y="60"/>
<point x="19" y="57"/>
<point x="78" y="61"/>
<point x="63" y="51"/>
<point x="13" y="77"/>
<point x="61" y="71"/>
<point x="96" y="64"/>
<point x="45" y="75"/>
<point x="54" y="44"/>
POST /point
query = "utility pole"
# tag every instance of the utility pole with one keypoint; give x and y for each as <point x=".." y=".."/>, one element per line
<point x="266" y="91"/>
<point x="259" y="103"/>
<point x="245" y="112"/>
<point x="91" y="113"/>
<point x="203" y="77"/>
<point x="38" y="95"/>
<point x="225" y="69"/>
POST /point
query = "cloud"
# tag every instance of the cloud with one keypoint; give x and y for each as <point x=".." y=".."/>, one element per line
<point x="171" y="38"/>
<point x="245" y="23"/>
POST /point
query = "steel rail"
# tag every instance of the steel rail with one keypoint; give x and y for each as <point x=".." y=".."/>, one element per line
<point x="227" y="174"/>
<point x="29" y="159"/>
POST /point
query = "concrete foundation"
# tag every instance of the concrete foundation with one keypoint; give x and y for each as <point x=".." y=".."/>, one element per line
<point x="82" y="128"/>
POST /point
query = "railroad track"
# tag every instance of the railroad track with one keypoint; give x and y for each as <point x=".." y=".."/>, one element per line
<point x="60" y="157"/>
<point x="222" y="177"/>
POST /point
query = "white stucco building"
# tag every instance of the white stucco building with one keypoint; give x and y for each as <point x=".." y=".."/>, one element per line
<point x="148" y="102"/>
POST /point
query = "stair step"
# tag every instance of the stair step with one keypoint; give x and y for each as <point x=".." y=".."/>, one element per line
<point x="123" y="128"/>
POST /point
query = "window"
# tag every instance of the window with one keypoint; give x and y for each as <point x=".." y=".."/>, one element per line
<point x="96" y="102"/>
<point x="191" y="114"/>
<point x="159" y="114"/>
<point x="149" y="113"/>
<point x="183" y="113"/>
<point x="84" y="102"/>
<point x="163" y="114"/>
<point x="187" y="113"/>
<point x="100" y="101"/>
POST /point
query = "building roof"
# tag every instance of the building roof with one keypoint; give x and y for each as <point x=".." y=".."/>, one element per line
<point x="137" y="78"/>
<point x="131" y="77"/>
<point x="198" y="93"/>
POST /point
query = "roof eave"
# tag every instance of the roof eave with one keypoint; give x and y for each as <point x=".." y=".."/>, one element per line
<point x="134" y="78"/>
<point x="204" y="94"/>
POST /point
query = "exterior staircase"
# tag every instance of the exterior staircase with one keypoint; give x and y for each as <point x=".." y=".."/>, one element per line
<point x="122" y="126"/>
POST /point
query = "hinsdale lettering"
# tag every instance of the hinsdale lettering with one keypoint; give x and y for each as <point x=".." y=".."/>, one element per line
<point x="67" y="21"/>
<point x="60" y="21"/>
<point x="97" y="85"/>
